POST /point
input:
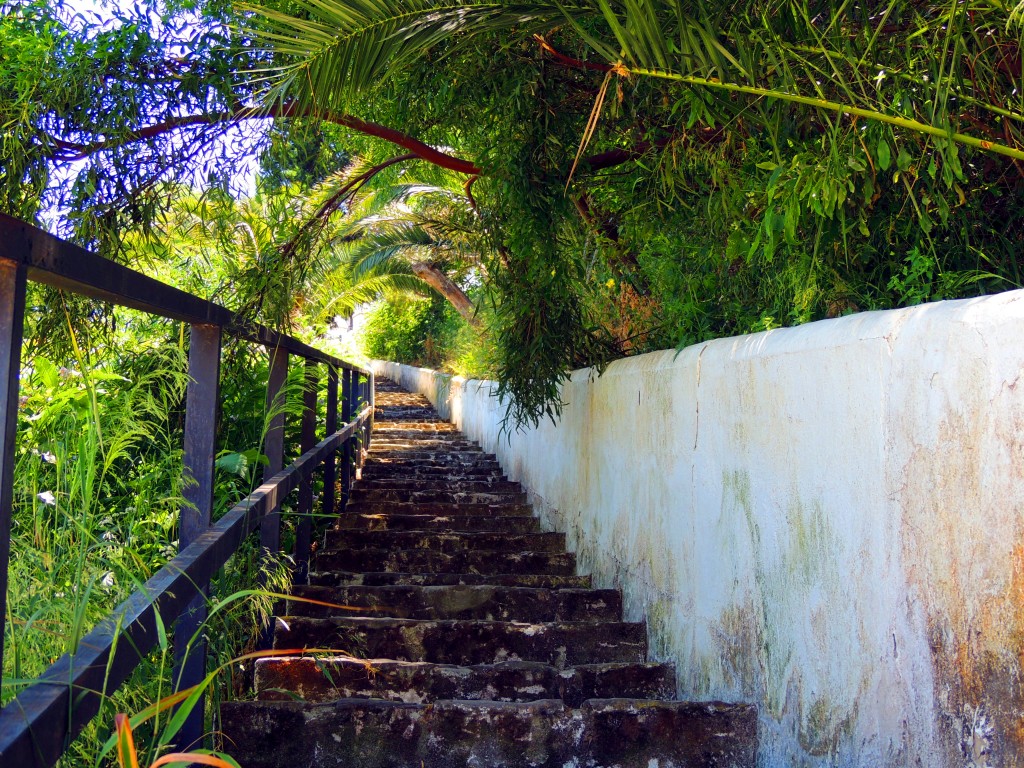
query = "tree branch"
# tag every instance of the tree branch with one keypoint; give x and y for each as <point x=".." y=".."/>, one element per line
<point x="444" y="285"/>
<point x="569" y="61"/>
<point x="68" y="151"/>
<point x="347" y="191"/>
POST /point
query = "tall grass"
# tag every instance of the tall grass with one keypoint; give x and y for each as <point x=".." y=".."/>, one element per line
<point x="98" y="492"/>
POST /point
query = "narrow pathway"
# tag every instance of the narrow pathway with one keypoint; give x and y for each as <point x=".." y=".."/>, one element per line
<point x="473" y="642"/>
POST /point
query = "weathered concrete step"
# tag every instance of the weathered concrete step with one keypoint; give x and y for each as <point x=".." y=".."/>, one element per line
<point x="378" y="471"/>
<point x="414" y="435"/>
<point x="601" y="733"/>
<point x="383" y="425"/>
<point x="393" y="412"/>
<point x="563" y="644"/>
<point x="478" y="602"/>
<point x="452" y="482"/>
<point x="449" y="497"/>
<point x="357" y="507"/>
<point x="318" y="679"/>
<point x="508" y="524"/>
<point x="383" y="444"/>
<point x="381" y="578"/>
<point x="434" y="459"/>
<point x="425" y="561"/>
<point x="432" y="455"/>
<point x="447" y="542"/>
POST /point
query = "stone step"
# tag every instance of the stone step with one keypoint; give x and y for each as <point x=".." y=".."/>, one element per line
<point x="387" y="468"/>
<point x="382" y="578"/>
<point x="563" y="644"/>
<point x="414" y="435"/>
<point x="508" y="524"/>
<point x="425" y="561"/>
<point x="444" y="497"/>
<point x="477" y="602"/>
<point x="319" y="679"/>
<point x="447" y="542"/>
<point x="378" y="471"/>
<point x="400" y="413"/>
<point x="433" y="455"/>
<point x="437" y="508"/>
<point x="384" y="444"/>
<point x="451" y="483"/>
<point x="372" y="733"/>
<point x="385" y="426"/>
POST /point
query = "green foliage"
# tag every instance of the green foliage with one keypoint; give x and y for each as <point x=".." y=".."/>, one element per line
<point x="414" y="331"/>
<point x="773" y="168"/>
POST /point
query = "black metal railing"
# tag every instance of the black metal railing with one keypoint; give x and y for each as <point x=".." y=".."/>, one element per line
<point x="39" y="723"/>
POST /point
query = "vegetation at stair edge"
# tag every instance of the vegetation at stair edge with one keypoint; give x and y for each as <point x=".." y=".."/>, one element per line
<point x="641" y="174"/>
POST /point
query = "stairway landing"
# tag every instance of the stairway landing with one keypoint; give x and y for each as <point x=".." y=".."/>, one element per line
<point x="457" y="633"/>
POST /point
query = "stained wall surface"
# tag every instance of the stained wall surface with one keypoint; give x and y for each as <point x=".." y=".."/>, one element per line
<point x="826" y="520"/>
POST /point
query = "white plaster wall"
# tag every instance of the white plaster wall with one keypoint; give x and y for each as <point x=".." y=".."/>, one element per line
<point x="824" y="520"/>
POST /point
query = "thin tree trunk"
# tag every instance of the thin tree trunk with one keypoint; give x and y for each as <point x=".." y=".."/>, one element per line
<point x="444" y="285"/>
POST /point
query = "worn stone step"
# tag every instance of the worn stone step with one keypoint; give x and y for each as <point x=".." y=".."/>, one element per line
<point x="384" y="522"/>
<point x="600" y="733"/>
<point x="399" y="413"/>
<point x="425" y="561"/>
<point x="414" y="435"/>
<point x="318" y="679"/>
<point x="478" y="602"/>
<point x="360" y="507"/>
<point x="445" y="541"/>
<point x="433" y="442"/>
<point x="444" y="497"/>
<point x="465" y="456"/>
<point x="381" y="578"/>
<point x="387" y="427"/>
<point x="450" y="483"/>
<point x="374" y="471"/>
<point x="563" y="644"/>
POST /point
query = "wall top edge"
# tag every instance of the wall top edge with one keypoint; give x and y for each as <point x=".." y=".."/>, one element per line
<point x="880" y="325"/>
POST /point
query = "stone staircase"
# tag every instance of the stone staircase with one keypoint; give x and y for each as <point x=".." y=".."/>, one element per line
<point x="467" y="639"/>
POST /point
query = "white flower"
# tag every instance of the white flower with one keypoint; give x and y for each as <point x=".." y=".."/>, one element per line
<point x="47" y="497"/>
<point x="108" y="579"/>
<point x="49" y="458"/>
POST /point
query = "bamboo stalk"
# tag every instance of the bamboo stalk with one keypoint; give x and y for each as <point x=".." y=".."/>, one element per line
<point x="834" y="106"/>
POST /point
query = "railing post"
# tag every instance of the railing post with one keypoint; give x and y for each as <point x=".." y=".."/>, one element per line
<point x="347" y="393"/>
<point x="273" y="446"/>
<point x="201" y="399"/>
<point x="12" y="323"/>
<point x="304" y="530"/>
<point x="372" y="384"/>
<point x="330" y="476"/>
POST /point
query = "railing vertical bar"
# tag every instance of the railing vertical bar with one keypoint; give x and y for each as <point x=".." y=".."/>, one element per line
<point x="273" y="445"/>
<point x="330" y="475"/>
<point x="373" y="406"/>
<point x="347" y="393"/>
<point x="13" y="279"/>
<point x="304" y="530"/>
<point x="201" y="400"/>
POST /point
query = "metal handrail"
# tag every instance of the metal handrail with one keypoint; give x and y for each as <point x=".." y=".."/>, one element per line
<point x="39" y="723"/>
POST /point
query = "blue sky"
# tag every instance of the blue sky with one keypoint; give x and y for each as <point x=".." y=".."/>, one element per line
<point x="243" y="182"/>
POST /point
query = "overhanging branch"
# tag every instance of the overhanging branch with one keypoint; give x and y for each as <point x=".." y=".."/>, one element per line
<point x="69" y="151"/>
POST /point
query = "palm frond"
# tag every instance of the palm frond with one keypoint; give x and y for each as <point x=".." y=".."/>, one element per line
<point x="346" y="300"/>
<point x="338" y="49"/>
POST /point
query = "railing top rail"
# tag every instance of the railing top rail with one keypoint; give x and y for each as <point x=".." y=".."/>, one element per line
<point x="56" y="262"/>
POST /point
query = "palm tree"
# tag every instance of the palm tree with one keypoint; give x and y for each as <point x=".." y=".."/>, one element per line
<point x="851" y="60"/>
<point x="402" y="238"/>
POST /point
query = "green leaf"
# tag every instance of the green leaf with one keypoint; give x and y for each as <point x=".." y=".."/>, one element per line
<point x="903" y="159"/>
<point x="884" y="155"/>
